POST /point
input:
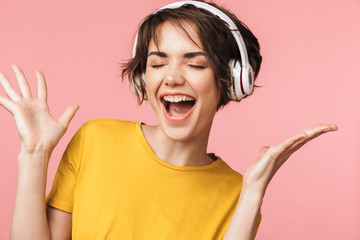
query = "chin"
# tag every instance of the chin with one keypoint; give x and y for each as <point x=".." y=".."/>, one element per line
<point x="177" y="133"/>
<point x="186" y="131"/>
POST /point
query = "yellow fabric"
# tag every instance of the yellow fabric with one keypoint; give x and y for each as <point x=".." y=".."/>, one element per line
<point x="117" y="188"/>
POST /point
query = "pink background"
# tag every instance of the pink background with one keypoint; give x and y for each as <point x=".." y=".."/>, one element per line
<point x="310" y="74"/>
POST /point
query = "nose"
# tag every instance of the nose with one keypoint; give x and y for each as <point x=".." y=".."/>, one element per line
<point x="173" y="76"/>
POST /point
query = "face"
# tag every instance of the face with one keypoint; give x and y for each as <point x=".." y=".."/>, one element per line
<point x="180" y="84"/>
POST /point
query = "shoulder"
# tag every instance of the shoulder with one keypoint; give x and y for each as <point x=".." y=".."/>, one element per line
<point x="105" y="126"/>
<point x="229" y="174"/>
<point x="107" y="123"/>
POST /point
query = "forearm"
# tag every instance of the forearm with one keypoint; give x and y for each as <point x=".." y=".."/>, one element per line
<point x="243" y="223"/>
<point x="29" y="219"/>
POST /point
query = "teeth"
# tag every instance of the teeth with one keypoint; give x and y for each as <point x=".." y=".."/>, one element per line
<point x="178" y="99"/>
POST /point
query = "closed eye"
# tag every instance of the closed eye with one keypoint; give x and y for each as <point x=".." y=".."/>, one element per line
<point x="157" y="66"/>
<point x="197" y="66"/>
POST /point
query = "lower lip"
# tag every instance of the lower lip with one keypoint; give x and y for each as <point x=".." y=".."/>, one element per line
<point x="177" y="118"/>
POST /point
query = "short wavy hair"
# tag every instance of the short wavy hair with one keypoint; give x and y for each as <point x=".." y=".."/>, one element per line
<point x="216" y="38"/>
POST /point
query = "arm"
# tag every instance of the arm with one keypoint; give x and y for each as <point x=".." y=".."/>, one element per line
<point x="243" y="223"/>
<point x="29" y="214"/>
<point x="31" y="217"/>
<point x="258" y="176"/>
<point x="39" y="134"/>
<point x="60" y="223"/>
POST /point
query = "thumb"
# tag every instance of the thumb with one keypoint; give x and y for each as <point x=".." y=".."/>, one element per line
<point x="263" y="151"/>
<point x="68" y="114"/>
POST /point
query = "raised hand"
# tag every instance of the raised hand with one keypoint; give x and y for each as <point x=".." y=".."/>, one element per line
<point x="259" y="174"/>
<point x="38" y="129"/>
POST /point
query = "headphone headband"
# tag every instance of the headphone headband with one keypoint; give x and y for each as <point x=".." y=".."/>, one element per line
<point x="243" y="74"/>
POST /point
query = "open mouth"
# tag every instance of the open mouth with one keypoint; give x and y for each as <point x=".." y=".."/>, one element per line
<point x="178" y="105"/>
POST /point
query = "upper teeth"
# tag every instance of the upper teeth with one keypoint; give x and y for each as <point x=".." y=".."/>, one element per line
<point x="178" y="99"/>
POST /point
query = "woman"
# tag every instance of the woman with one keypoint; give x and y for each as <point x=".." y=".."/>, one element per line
<point x="125" y="180"/>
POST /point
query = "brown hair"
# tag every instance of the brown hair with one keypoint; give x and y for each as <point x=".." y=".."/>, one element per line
<point x="216" y="39"/>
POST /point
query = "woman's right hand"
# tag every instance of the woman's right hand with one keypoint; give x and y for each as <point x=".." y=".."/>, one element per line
<point x="39" y="131"/>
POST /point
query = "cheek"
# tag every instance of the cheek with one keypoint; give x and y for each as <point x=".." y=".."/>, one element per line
<point x="208" y="88"/>
<point x="152" y="83"/>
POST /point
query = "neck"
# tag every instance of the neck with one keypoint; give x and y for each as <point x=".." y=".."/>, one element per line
<point x="192" y="152"/>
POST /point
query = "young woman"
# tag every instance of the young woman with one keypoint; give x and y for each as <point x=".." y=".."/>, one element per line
<point x="124" y="180"/>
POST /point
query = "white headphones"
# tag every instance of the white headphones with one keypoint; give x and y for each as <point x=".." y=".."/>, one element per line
<point x="242" y="73"/>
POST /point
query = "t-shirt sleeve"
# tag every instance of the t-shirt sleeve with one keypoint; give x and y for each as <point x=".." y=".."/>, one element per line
<point x="61" y="195"/>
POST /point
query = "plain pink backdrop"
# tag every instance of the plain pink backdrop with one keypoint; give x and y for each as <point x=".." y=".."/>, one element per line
<point x="310" y="74"/>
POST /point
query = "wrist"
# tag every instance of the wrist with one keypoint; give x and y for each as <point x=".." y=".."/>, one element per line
<point x="37" y="149"/>
<point x="252" y="194"/>
<point x="34" y="157"/>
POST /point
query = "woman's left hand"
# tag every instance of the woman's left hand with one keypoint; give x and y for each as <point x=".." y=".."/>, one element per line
<point x="259" y="174"/>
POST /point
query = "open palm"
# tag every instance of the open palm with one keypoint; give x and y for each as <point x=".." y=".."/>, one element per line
<point x="37" y="128"/>
<point x="259" y="174"/>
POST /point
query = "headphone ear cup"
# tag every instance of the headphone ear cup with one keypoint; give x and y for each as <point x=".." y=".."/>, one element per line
<point x="247" y="80"/>
<point x="235" y="87"/>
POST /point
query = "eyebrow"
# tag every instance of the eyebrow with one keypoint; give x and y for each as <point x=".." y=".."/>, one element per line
<point x="186" y="55"/>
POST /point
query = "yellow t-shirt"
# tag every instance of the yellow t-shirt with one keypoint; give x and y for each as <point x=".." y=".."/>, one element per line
<point x="117" y="188"/>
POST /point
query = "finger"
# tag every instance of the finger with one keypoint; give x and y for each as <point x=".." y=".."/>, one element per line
<point x="313" y="135"/>
<point x="315" y="132"/>
<point x="290" y="142"/>
<point x="334" y="127"/>
<point x="308" y="134"/>
<point x="7" y="104"/>
<point x="277" y="150"/>
<point x="263" y="150"/>
<point x="23" y="84"/>
<point x="291" y="145"/>
<point x="313" y="129"/>
<point x="41" y="85"/>
<point x="68" y="115"/>
<point x="10" y="91"/>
